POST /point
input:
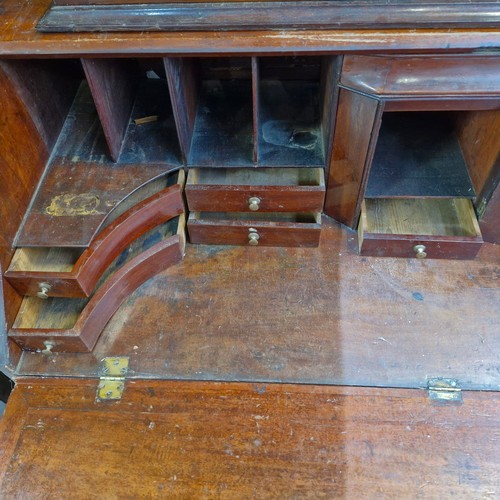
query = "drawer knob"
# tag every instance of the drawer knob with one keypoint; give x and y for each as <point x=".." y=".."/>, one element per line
<point x="44" y="290"/>
<point x="254" y="203"/>
<point x="253" y="237"/>
<point x="420" y="252"/>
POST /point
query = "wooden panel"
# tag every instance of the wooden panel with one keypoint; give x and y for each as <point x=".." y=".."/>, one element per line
<point x="480" y="143"/>
<point x="113" y="83"/>
<point x="284" y="229"/>
<point x="70" y="206"/>
<point x="416" y="76"/>
<point x="19" y="37"/>
<point x="23" y="154"/>
<point x="447" y="228"/>
<point x="78" y="329"/>
<point x="330" y="75"/>
<point x="183" y="84"/>
<point x="316" y="315"/>
<point x="279" y="190"/>
<point x="85" y="271"/>
<point x="269" y="15"/>
<point x="489" y="222"/>
<point x="47" y="89"/>
<point x="356" y="131"/>
<point x="204" y="440"/>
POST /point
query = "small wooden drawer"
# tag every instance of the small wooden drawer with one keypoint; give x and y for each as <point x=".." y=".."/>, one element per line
<point x="255" y="189"/>
<point x="75" y="324"/>
<point x="253" y="229"/>
<point x="74" y="272"/>
<point x="434" y="228"/>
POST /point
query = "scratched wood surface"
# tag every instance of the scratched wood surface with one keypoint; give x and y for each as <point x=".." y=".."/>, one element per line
<point x="220" y="440"/>
<point x="318" y="315"/>
<point x="18" y="37"/>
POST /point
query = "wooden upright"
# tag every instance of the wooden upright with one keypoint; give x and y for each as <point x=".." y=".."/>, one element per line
<point x="251" y="249"/>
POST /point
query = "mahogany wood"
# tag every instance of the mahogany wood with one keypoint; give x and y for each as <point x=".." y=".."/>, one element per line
<point x="221" y="229"/>
<point x="87" y="270"/>
<point x="489" y="221"/>
<point x="23" y="154"/>
<point x="193" y="440"/>
<point x="18" y="37"/>
<point x="438" y="76"/>
<point x="77" y="180"/>
<point x="255" y="107"/>
<point x="320" y="315"/>
<point x="183" y="84"/>
<point x="278" y="196"/>
<point x="85" y="333"/>
<point x="358" y="121"/>
<point x="268" y="15"/>
<point x="113" y="83"/>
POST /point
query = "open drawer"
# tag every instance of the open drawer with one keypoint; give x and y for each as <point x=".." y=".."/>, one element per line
<point x="74" y="272"/>
<point x="254" y="229"/>
<point x="256" y="189"/>
<point x="74" y="324"/>
<point x="437" y="228"/>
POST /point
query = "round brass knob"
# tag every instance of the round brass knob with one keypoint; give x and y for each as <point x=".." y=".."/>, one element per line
<point x="254" y="203"/>
<point x="44" y="290"/>
<point x="253" y="237"/>
<point x="420" y="252"/>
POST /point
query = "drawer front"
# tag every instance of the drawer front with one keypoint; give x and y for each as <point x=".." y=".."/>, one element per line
<point x="419" y="247"/>
<point x="258" y="199"/>
<point x="419" y="228"/>
<point x="253" y="233"/>
<point x="256" y="190"/>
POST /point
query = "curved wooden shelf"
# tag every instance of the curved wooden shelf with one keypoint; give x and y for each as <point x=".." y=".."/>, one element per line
<point x="88" y="268"/>
<point x="83" y="335"/>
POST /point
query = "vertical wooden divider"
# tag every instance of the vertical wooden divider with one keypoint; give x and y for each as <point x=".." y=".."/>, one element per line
<point x="183" y="84"/>
<point x="113" y="83"/>
<point x="356" y="133"/>
<point x="256" y="102"/>
<point x="329" y="93"/>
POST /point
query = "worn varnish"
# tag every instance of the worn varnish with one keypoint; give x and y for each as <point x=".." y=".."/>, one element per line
<point x="320" y="315"/>
<point x="211" y="440"/>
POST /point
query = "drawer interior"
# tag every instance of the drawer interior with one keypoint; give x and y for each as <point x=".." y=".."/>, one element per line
<point x="62" y="313"/>
<point x="51" y="260"/>
<point x="271" y="217"/>
<point x="420" y="216"/>
<point x="257" y="177"/>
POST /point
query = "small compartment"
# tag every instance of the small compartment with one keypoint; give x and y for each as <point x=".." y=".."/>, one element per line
<point x="74" y="272"/>
<point x="294" y="106"/>
<point x="419" y="227"/>
<point x="419" y="154"/>
<point x="255" y="229"/>
<point x="418" y="199"/>
<point x="64" y="324"/>
<point x="214" y="111"/>
<point x="131" y="99"/>
<point x="261" y="189"/>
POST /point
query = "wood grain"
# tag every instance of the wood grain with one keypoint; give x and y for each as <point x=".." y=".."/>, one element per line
<point x="356" y="131"/>
<point x="279" y="190"/>
<point x="245" y="16"/>
<point x="82" y="277"/>
<point x="80" y="331"/>
<point x="210" y="440"/>
<point x="445" y="76"/>
<point x="232" y="228"/>
<point x="113" y="83"/>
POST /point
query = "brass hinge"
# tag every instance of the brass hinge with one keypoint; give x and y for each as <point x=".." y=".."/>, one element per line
<point x="444" y="390"/>
<point x="112" y="380"/>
